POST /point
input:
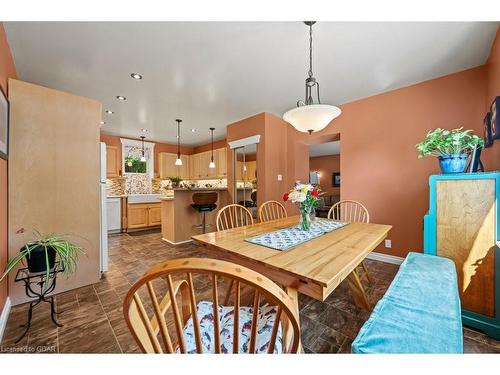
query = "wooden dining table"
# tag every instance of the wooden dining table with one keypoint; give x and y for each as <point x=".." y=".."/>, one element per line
<point x="314" y="268"/>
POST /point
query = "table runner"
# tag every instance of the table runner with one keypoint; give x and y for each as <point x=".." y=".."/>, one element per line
<point x="286" y="238"/>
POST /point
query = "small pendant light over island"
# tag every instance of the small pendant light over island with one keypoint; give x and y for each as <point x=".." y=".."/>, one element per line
<point x="211" y="165"/>
<point x="143" y="156"/>
<point x="178" y="161"/>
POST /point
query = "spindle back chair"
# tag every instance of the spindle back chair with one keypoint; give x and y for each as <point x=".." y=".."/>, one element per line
<point x="270" y="324"/>
<point x="271" y="210"/>
<point x="233" y="216"/>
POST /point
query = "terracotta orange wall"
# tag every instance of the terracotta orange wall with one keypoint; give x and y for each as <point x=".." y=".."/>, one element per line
<point x="379" y="160"/>
<point x="326" y="166"/>
<point x="217" y="144"/>
<point x="7" y="70"/>
<point x="492" y="154"/>
<point x="113" y="140"/>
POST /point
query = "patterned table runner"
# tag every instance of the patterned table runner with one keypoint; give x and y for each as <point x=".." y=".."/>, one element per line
<point x="285" y="239"/>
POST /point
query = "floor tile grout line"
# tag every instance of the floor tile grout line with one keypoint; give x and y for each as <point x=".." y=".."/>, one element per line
<point x="107" y="319"/>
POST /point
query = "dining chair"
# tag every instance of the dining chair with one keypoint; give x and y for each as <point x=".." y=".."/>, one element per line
<point x="164" y="314"/>
<point x="271" y="210"/>
<point x="233" y="216"/>
<point x="352" y="211"/>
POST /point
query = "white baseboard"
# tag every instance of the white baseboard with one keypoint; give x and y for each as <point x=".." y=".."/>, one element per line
<point x="385" y="258"/>
<point x="4" y="317"/>
<point x="176" y="243"/>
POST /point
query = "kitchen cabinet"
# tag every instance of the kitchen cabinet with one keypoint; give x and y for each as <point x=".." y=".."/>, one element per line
<point x="199" y="165"/>
<point x="220" y="158"/>
<point x="112" y="162"/>
<point x="166" y="164"/>
<point x="143" y="215"/>
<point x="251" y="171"/>
<point x="182" y="171"/>
<point x="155" y="215"/>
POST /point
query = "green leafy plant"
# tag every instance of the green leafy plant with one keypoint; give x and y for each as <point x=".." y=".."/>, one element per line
<point x="442" y="142"/>
<point x="175" y="180"/>
<point x="66" y="253"/>
<point x="134" y="165"/>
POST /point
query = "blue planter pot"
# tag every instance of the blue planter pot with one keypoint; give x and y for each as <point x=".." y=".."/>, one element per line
<point x="453" y="163"/>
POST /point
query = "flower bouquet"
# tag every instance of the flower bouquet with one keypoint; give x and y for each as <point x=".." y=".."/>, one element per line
<point x="307" y="198"/>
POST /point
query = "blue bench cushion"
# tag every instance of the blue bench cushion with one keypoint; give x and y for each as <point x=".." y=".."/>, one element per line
<point x="420" y="312"/>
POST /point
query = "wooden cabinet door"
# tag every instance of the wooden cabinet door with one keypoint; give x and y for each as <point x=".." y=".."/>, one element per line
<point x="251" y="170"/>
<point x="204" y="160"/>
<point x="194" y="166"/>
<point x="211" y="172"/>
<point x="137" y="216"/>
<point x="154" y="214"/>
<point x="182" y="171"/>
<point x="221" y="162"/>
<point x="239" y="171"/>
<point x="112" y="162"/>
<point x="167" y="165"/>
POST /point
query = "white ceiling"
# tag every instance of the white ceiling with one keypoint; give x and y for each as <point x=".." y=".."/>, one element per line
<point x="215" y="73"/>
<point x="324" y="149"/>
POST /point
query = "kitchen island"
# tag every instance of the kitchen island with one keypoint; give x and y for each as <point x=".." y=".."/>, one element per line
<point x="178" y="217"/>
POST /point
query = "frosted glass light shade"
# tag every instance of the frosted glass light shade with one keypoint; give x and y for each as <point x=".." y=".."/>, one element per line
<point x="178" y="161"/>
<point x="143" y="158"/>
<point x="211" y="165"/>
<point x="311" y="118"/>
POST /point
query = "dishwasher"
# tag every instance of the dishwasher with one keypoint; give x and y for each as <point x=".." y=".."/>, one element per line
<point x="113" y="209"/>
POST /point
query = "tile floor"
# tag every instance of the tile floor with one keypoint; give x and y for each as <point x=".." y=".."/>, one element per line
<point x="93" y="321"/>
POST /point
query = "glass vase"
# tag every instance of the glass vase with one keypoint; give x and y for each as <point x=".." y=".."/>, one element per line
<point x="305" y="220"/>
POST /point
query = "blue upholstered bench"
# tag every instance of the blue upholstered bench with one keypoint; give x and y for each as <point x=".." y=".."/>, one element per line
<point x="420" y="312"/>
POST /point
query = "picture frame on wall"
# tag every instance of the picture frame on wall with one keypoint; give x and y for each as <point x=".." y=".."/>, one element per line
<point x="495" y="118"/>
<point x="336" y="179"/>
<point x="488" y="139"/>
<point x="4" y="126"/>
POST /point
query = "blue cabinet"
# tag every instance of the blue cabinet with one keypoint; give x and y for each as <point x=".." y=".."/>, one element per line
<point x="463" y="224"/>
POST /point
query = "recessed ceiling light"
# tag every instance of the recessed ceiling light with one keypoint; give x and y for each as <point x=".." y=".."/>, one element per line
<point x="109" y="112"/>
<point x="119" y="97"/>
<point x="103" y="122"/>
<point x="193" y="130"/>
<point x="144" y="130"/>
<point x="136" y="76"/>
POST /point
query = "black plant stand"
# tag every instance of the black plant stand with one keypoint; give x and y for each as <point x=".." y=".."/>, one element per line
<point x="34" y="287"/>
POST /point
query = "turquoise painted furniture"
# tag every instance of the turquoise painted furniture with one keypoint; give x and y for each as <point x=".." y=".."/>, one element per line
<point x="463" y="224"/>
<point x="419" y="313"/>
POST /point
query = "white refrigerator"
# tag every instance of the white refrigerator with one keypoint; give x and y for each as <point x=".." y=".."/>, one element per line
<point x="102" y="208"/>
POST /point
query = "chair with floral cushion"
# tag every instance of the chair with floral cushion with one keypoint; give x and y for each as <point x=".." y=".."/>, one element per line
<point x="174" y="308"/>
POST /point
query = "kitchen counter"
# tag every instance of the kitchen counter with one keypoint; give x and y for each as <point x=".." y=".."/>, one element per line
<point x="202" y="189"/>
<point x="178" y="217"/>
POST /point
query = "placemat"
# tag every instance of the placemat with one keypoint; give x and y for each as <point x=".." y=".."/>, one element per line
<point x="286" y="238"/>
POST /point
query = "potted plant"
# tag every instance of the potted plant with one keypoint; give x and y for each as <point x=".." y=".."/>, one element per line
<point x="451" y="147"/>
<point x="41" y="254"/>
<point x="175" y="181"/>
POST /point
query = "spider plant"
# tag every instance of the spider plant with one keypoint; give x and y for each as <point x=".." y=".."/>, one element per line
<point x="55" y="247"/>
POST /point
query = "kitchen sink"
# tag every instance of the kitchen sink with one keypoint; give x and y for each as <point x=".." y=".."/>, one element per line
<point x="144" y="198"/>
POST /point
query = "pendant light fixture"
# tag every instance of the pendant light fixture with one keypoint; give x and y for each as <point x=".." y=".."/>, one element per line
<point x="308" y="117"/>
<point x="211" y="165"/>
<point x="143" y="157"/>
<point x="178" y="161"/>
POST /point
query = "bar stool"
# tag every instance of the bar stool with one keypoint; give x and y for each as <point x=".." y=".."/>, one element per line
<point x="203" y="203"/>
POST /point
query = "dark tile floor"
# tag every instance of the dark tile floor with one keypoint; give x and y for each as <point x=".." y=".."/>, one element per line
<point x="93" y="321"/>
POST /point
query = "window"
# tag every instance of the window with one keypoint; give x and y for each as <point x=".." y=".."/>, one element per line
<point x="132" y="154"/>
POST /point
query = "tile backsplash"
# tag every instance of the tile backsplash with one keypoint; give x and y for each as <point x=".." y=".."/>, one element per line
<point x="142" y="184"/>
<point x="138" y="183"/>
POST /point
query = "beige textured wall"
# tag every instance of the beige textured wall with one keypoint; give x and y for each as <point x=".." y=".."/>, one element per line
<point x="54" y="175"/>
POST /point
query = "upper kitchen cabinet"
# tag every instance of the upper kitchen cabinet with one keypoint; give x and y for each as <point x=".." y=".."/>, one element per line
<point x="183" y="171"/>
<point x="112" y="162"/>
<point x="166" y="164"/>
<point x="220" y="159"/>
